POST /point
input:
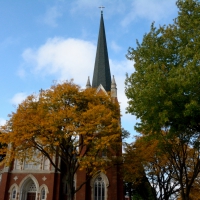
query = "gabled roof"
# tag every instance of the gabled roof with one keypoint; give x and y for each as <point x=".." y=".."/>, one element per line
<point x="101" y="73"/>
<point x="101" y="89"/>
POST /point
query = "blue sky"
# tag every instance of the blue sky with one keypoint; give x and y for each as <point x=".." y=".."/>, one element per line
<point x="46" y="40"/>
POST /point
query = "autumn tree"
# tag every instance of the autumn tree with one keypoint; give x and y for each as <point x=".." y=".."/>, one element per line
<point x="195" y="190"/>
<point x="183" y="153"/>
<point x="148" y="168"/>
<point x="66" y="123"/>
<point x="169" y="164"/>
<point x="164" y="90"/>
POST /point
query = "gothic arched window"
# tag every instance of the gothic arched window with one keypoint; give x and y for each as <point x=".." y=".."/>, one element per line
<point x="99" y="189"/>
<point x="43" y="194"/>
<point x="14" y="194"/>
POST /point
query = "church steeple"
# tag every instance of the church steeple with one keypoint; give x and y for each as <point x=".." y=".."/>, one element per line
<point x="101" y="73"/>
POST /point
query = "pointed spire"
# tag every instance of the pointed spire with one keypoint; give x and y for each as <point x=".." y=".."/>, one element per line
<point x="88" y="85"/>
<point x="101" y="73"/>
<point x="113" y="88"/>
<point x="113" y="83"/>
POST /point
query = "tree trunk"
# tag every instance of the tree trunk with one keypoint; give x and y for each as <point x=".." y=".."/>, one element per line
<point x="184" y="196"/>
<point x="70" y="191"/>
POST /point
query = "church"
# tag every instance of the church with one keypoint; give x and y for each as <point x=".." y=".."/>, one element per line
<point x="27" y="181"/>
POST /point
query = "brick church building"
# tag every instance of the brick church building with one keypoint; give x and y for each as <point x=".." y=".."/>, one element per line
<point x="27" y="181"/>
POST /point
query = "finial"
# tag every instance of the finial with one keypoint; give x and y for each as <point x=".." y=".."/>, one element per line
<point x="113" y="83"/>
<point x="101" y="7"/>
<point x="41" y="90"/>
<point x="113" y="80"/>
<point x="113" y="88"/>
<point x="41" y="93"/>
<point x="88" y="85"/>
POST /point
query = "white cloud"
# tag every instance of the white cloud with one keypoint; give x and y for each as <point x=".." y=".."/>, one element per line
<point x="74" y="58"/>
<point x="154" y="10"/>
<point x="68" y="58"/>
<point x="18" y="98"/>
<point x="2" y="121"/>
<point x="120" y="68"/>
<point x="51" y="15"/>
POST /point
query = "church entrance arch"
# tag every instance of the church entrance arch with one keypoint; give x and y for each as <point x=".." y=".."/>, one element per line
<point x="28" y="190"/>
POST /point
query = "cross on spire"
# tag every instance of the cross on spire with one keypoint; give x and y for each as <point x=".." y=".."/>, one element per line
<point x="101" y="7"/>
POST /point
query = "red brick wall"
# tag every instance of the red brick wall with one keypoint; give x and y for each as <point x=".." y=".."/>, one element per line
<point x="52" y="182"/>
<point x="80" y="178"/>
<point x="3" y="185"/>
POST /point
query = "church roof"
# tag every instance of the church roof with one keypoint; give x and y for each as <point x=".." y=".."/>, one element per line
<point x="101" y="73"/>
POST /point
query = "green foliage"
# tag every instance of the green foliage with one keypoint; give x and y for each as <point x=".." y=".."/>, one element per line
<point x="164" y="90"/>
<point x="125" y="133"/>
<point x="164" y="94"/>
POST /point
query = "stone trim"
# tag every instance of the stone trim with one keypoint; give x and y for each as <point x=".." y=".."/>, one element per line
<point x="46" y="191"/>
<point x="11" y="189"/>
<point x="101" y="88"/>
<point x="106" y="181"/>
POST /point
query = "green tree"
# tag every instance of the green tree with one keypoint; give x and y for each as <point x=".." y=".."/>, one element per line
<point x="164" y="90"/>
<point x="66" y="123"/>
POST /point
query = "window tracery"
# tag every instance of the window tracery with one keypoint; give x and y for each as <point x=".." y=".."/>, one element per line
<point x="32" y="187"/>
<point x="99" y="185"/>
<point x="99" y="189"/>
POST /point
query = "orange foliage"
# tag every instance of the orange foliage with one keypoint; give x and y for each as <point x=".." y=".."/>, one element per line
<point x="66" y="122"/>
<point x="171" y="164"/>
